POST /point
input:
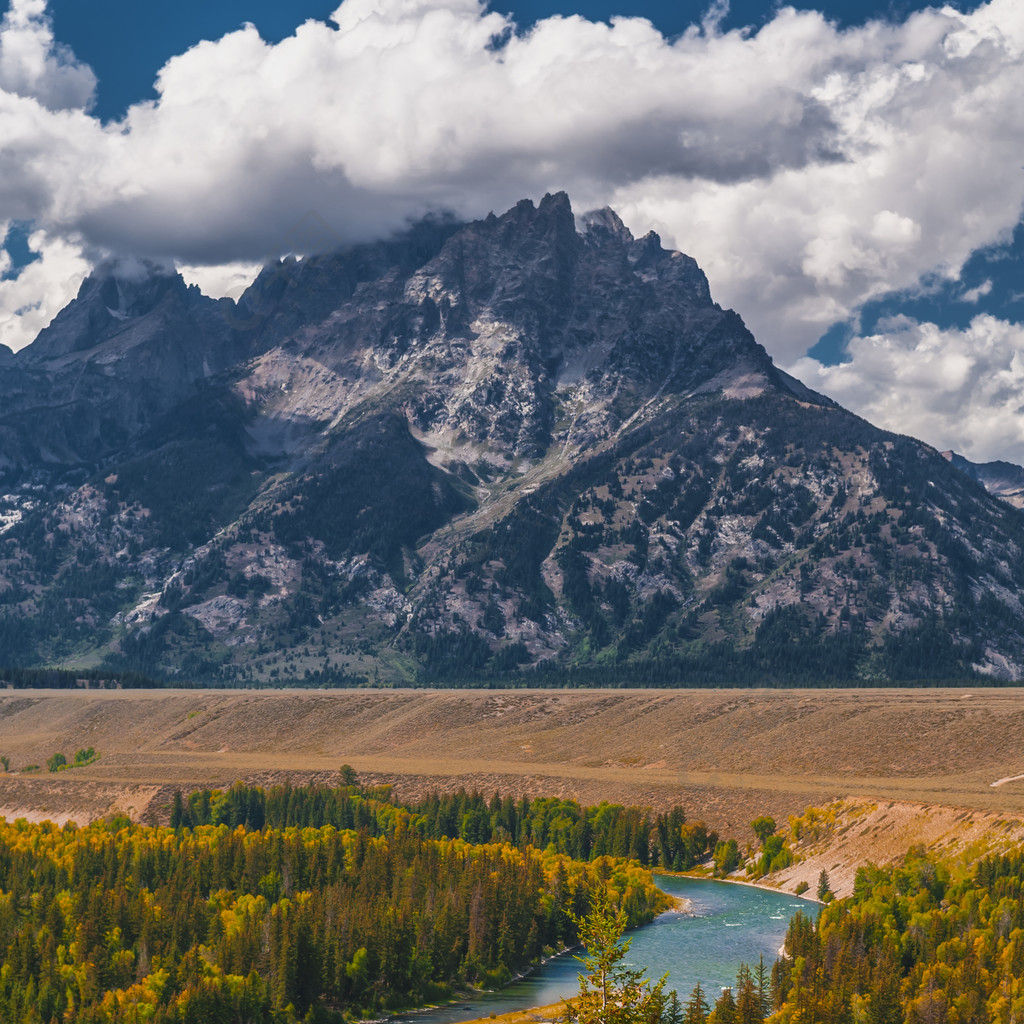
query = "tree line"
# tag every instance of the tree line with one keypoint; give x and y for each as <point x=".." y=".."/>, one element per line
<point x="918" y="942"/>
<point x="663" y="840"/>
<point x="65" y="679"/>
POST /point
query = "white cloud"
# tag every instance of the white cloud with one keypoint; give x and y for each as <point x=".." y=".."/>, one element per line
<point x="931" y="137"/>
<point x="807" y="169"/>
<point x="30" y="299"/>
<point x="225" y="280"/>
<point x="974" y="295"/>
<point x="32" y="64"/>
<point x="959" y="389"/>
<point x="405" y="106"/>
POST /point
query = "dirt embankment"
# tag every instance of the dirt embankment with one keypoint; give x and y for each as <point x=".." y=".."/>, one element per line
<point x="852" y="832"/>
<point x="727" y="756"/>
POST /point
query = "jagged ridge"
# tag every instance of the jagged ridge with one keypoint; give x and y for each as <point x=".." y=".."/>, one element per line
<point x="530" y="441"/>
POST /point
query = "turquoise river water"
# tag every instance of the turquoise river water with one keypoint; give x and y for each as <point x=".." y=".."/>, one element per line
<point x="727" y="925"/>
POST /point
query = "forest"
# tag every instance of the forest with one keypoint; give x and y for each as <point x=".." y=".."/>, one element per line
<point x="326" y="904"/>
<point x="553" y="824"/>
<point x="128" y="923"/>
<point x="65" y="679"/>
<point x="918" y="942"/>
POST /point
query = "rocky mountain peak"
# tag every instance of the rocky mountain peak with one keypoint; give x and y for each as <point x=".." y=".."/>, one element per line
<point x="530" y="439"/>
<point x="604" y="222"/>
<point x="113" y="298"/>
<point x="134" y="343"/>
<point x="552" y="213"/>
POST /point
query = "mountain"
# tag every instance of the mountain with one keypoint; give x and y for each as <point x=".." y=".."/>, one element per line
<point x="527" y="448"/>
<point x="1003" y="479"/>
<point x="133" y="345"/>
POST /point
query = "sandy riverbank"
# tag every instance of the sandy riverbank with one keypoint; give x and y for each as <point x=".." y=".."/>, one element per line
<point x="767" y="888"/>
<point x="736" y="881"/>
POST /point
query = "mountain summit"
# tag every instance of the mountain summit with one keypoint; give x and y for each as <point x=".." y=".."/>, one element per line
<point x="530" y="446"/>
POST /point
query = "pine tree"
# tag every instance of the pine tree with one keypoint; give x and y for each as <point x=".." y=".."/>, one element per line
<point x="762" y="979"/>
<point x="697" y="1008"/>
<point x="673" y="1011"/>
<point x="725" y="1009"/>
<point x="748" y="1005"/>
<point x="177" y="810"/>
<point x="611" y="993"/>
<point x="824" y="886"/>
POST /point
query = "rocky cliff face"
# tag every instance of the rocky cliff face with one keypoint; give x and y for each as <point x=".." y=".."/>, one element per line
<point x="531" y="443"/>
<point x="134" y="343"/>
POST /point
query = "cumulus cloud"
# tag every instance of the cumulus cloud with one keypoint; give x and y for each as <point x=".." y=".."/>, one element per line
<point x="33" y="297"/>
<point x="32" y="64"/>
<point x="402" y="107"/>
<point x="930" y="137"/>
<point x="959" y="389"/>
<point x="825" y="165"/>
<point x="224" y="280"/>
<point x="808" y="169"/>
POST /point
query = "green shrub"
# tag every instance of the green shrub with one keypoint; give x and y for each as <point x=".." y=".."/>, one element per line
<point x="726" y="856"/>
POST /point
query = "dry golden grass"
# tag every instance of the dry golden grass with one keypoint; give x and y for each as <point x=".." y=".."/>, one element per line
<point x="726" y="755"/>
<point x="537" y="1015"/>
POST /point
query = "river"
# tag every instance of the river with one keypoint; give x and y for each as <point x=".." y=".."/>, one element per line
<point x="728" y="924"/>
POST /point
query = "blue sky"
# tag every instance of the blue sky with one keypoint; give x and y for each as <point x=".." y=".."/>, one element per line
<point x="850" y="175"/>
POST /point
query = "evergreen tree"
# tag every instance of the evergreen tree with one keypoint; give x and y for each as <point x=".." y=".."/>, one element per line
<point x="177" y="810"/>
<point x="697" y="1008"/>
<point x="725" y="1009"/>
<point x="824" y="887"/>
<point x="748" y="1004"/>
<point x="762" y="980"/>
<point x="610" y="992"/>
<point x="673" y="1011"/>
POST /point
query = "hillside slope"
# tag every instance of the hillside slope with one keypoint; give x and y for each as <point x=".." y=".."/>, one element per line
<point x="727" y="756"/>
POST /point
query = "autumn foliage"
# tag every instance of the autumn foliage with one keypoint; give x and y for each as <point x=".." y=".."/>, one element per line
<point x="140" y="924"/>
